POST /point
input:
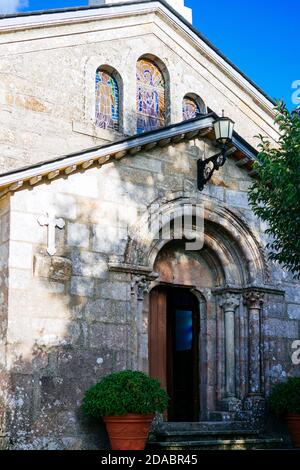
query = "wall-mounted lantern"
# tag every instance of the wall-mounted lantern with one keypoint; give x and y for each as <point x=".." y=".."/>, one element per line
<point x="223" y="128"/>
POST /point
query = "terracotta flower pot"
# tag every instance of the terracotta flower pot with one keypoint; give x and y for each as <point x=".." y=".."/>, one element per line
<point x="128" y="432"/>
<point x="293" y="422"/>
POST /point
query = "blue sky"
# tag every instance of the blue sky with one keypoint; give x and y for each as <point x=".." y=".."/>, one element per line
<point x="260" y="36"/>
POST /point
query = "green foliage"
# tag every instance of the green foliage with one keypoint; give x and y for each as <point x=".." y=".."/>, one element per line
<point x="125" y="392"/>
<point x="285" y="397"/>
<point x="275" y="195"/>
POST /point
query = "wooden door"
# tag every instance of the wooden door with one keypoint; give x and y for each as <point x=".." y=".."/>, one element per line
<point x="158" y="335"/>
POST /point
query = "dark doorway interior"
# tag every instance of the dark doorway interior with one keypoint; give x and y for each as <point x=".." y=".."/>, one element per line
<point x="174" y="349"/>
<point x="183" y="356"/>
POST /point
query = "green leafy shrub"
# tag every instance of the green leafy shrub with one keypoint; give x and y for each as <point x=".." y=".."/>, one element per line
<point x="275" y="194"/>
<point x="125" y="392"/>
<point x="285" y="397"/>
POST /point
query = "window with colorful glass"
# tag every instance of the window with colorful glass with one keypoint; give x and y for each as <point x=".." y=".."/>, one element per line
<point x="107" y="101"/>
<point x="150" y="96"/>
<point x="191" y="108"/>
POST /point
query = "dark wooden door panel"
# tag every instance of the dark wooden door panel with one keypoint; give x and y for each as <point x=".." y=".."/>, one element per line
<point x="158" y="336"/>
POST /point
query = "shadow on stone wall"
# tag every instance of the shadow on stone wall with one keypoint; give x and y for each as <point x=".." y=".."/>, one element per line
<point x="77" y="331"/>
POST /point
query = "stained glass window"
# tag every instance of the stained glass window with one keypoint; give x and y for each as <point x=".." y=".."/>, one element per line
<point x="190" y="108"/>
<point x="107" y="101"/>
<point x="150" y="96"/>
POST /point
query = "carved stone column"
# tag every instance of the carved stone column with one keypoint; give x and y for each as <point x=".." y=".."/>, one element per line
<point x="254" y="403"/>
<point x="229" y="302"/>
<point x="254" y="300"/>
<point x="140" y="285"/>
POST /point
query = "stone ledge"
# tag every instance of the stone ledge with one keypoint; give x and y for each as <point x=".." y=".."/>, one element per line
<point x="55" y="268"/>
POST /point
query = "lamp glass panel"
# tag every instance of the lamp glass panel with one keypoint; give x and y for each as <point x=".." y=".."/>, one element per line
<point x="217" y="130"/>
<point x="224" y="129"/>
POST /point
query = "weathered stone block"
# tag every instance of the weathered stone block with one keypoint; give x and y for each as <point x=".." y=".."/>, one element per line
<point x="109" y="239"/>
<point x="18" y="360"/>
<point x="50" y="332"/>
<point x="43" y="304"/>
<point x="236" y="198"/>
<point x="55" y="268"/>
<point x="109" y="311"/>
<point x="56" y="423"/>
<point x="292" y="294"/>
<point x="4" y="252"/>
<point x="20" y="255"/>
<point x="127" y="174"/>
<point x="123" y="360"/>
<point x="81" y="184"/>
<point x="275" y="309"/>
<point x="281" y="328"/>
<point x="294" y="311"/>
<point x="25" y="227"/>
<point x="114" y="290"/>
<point x="59" y="393"/>
<point x="89" y="264"/>
<point x="51" y="287"/>
<point x="82" y="286"/>
<point x="38" y="200"/>
<point x="142" y="163"/>
<point x="78" y="235"/>
<point x="181" y="163"/>
<point x="110" y="336"/>
<point x="20" y="278"/>
<point x="21" y="403"/>
<point x="86" y="366"/>
<point x="216" y="192"/>
<point x="278" y="350"/>
<point x="4" y="227"/>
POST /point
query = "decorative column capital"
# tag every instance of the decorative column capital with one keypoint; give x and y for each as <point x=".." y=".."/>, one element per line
<point x="140" y="285"/>
<point x="254" y="299"/>
<point x="229" y="301"/>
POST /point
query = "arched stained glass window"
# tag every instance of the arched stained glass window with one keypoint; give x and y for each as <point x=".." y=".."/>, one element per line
<point x="150" y="96"/>
<point x="190" y="108"/>
<point x="107" y="101"/>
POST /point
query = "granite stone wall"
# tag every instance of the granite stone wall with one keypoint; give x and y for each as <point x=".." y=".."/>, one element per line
<point x="47" y="83"/>
<point x="4" y="258"/>
<point x="72" y="318"/>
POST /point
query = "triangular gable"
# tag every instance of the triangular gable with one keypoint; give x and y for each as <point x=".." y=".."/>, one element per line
<point x="44" y="18"/>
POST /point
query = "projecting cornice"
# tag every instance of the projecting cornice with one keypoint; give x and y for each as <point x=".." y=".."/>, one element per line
<point x="130" y="146"/>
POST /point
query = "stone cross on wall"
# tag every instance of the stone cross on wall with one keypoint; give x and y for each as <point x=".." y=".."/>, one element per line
<point x="52" y="223"/>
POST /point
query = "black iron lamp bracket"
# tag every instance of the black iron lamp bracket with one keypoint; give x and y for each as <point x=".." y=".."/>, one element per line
<point x="207" y="167"/>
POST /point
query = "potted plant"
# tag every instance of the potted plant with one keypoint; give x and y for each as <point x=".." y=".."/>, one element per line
<point x="284" y="401"/>
<point x="127" y="401"/>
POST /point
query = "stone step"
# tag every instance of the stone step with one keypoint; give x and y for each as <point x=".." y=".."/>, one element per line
<point x="221" y="416"/>
<point x="228" y="416"/>
<point x="194" y="435"/>
<point x="204" y="426"/>
<point x="221" y="444"/>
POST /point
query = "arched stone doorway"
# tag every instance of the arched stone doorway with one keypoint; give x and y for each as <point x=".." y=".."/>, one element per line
<point x="229" y="277"/>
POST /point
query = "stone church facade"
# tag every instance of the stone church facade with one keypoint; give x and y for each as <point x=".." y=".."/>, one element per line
<point x="86" y="288"/>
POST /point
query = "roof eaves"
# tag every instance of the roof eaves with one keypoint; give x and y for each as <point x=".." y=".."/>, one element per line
<point x="68" y="164"/>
